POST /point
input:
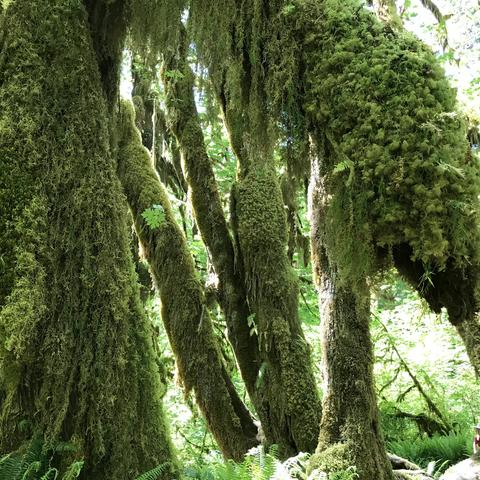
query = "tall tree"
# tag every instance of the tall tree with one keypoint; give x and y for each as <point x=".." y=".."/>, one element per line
<point x="291" y="407"/>
<point x="388" y="176"/>
<point x="185" y="123"/>
<point x="76" y="355"/>
<point x="350" y="432"/>
<point x="184" y="310"/>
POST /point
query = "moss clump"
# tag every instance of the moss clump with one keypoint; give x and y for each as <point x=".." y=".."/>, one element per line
<point x="397" y="170"/>
<point x="333" y="459"/>
<point x="76" y="356"/>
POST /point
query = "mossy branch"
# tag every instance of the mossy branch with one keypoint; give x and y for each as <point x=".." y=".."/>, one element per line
<point x="184" y="312"/>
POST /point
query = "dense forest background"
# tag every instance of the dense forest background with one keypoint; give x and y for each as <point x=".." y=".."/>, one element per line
<point x="232" y="227"/>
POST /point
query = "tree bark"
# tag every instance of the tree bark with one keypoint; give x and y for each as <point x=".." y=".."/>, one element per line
<point x="184" y="312"/>
<point x="350" y="432"/>
<point x="274" y="362"/>
<point x="469" y="331"/>
<point x="76" y="357"/>
<point x="387" y="11"/>
<point x="206" y="202"/>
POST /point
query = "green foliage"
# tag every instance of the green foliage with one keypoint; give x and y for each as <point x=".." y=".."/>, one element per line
<point x="349" y="474"/>
<point x="257" y="465"/>
<point x="394" y="152"/>
<point x="446" y="450"/>
<point x="154" y="216"/>
<point x="174" y="74"/>
<point x="33" y="462"/>
<point x="154" y="473"/>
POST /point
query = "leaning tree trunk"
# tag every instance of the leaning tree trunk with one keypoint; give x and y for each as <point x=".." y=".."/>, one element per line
<point x="274" y="363"/>
<point x="184" y="311"/>
<point x="286" y="375"/>
<point x="210" y="217"/>
<point x="76" y="355"/>
<point x="350" y="432"/>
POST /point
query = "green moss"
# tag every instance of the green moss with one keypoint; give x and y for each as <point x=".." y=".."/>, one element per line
<point x="397" y="170"/>
<point x="76" y="357"/>
<point x="333" y="459"/>
<point x="272" y="293"/>
<point x="184" y="311"/>
<point x="232" y="41"/>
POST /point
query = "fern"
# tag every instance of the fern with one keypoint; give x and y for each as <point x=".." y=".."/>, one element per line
<point x="10" y="467"/>
<point x="154" y="473"/>
<point x="32" y="462"/>
<point x="52" y="474"/>
<point x="74" y="470"/>
<point x="258" y="465"/>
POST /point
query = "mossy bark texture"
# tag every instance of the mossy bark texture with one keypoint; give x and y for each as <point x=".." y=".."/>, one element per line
<point x="76" y="358"/>
<point x="185" y="123"/>
<point x="469" y="331"/>
<point x="350" y="432"/>
<point x="184" y="311"/>
<point x="401" y="177"/>
<point x="276" y="365"/>
<point x="286" y="375"/>
<point x="387" y="11"/>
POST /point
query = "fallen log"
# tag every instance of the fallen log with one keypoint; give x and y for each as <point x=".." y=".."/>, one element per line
<point x="399" y="463"/>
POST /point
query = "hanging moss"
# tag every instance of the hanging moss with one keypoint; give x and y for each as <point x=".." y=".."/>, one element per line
<point x="232" y="40"/>
<point x="398" y="171"/>
<point x="152" y="27"/>
<point x="76" y="356"/>
<point x="108" y="20"/>
<point x="184" y="310"/>
<point x="185" y="123"/>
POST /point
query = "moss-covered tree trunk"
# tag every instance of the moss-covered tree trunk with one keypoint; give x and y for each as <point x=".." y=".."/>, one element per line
<point x="184" y="311"/>
<point x="469" y="331"/>
<point x="350" y="434"/>
<point x="387" y="11"/>
<point x="286" y="374"/>
<point x="76" y="356"/>
<point x="259" y="286"/>
<point x="209" y="214"/>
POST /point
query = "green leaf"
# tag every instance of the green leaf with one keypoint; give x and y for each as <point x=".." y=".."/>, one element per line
<point x="174" y="74"/>
<point x="154" y="216"/>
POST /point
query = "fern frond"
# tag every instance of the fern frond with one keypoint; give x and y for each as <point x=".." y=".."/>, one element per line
<point x="52" y="474"/>
<point x="32" y="468"/>
<point x="74" y="470"/>
<point x="154" y="473"/>
<point x="10" y="467"/>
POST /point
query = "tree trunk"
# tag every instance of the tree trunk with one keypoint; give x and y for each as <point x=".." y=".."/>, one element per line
<point x="286" y="375"/>
<point x="275" y="363"/>
<point x="350" y="430"/>
<point x="184" y="312"/>
<point x="387" y="12"/>
<point x="469" y="331"/>
<point x="76" y="357"/>
<point x="184" y="122"/>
